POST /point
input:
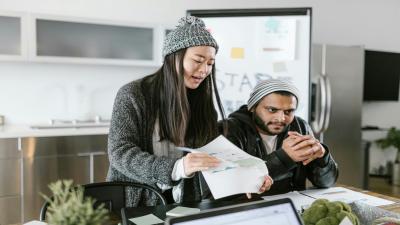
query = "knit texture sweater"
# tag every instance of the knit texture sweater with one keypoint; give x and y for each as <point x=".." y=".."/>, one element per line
<point x="130" y="148"/>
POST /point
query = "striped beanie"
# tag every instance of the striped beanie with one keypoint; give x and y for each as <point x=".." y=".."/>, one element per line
<point x="191" y="31"/>
<point x="267" y="87"/>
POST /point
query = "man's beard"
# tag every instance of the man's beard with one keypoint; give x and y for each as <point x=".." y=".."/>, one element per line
<point x="264" y="127"/>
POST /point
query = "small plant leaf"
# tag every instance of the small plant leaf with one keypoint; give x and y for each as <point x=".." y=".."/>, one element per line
<point x="69" y="206"/>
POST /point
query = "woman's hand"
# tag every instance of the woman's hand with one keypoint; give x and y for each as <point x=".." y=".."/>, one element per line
<point x="194" y="162"/>
<point x="266" y="185"/>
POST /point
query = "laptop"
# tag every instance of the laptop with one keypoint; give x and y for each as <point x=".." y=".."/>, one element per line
<point x="277" y="212"/>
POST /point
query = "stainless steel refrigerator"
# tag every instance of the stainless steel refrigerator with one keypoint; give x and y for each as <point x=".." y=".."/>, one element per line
<point x="337" y="95"/>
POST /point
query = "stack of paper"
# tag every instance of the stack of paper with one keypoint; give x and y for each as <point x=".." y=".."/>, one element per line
<point x="346" y="195"/>
<point x="303" y="199"/>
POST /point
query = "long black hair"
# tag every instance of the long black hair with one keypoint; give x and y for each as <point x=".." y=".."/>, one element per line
<point x="187" y="117"/>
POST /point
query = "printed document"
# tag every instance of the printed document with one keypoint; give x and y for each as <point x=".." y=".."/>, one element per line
<point x="346" y="195"/>
<point x="238" y="171"/>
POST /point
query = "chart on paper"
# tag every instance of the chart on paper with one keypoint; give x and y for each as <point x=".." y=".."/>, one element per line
<point x="236" y="165"/>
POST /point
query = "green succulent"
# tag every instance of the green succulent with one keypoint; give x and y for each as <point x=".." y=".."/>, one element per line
<point x="328" y="221"/>
<point x="345" y="206"/>
<point x="324" y="212"/>
<point x="69" y="206"/>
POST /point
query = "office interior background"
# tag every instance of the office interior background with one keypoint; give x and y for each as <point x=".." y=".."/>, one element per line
<point x="32" y="92"/>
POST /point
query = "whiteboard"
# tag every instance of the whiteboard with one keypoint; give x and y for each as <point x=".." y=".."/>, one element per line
<point x="255" y="48"/>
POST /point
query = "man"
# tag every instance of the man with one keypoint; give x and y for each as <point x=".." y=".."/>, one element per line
<point x="267" y="128"/>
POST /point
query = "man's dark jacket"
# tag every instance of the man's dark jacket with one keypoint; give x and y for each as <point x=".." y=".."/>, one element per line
<point x="287" y="174"/>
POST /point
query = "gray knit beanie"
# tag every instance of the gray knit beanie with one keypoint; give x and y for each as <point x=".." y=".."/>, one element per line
<point x="267" y="87"/>
<point x="190" y="32"/>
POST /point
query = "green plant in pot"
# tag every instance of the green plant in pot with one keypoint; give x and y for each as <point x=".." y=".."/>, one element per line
<point x="393" y="139"/>
<point x="69" y="206"/>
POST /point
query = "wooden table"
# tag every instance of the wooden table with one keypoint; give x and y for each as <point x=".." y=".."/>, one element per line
<point x="393" y="207"/>
<point x="161" y="210"/>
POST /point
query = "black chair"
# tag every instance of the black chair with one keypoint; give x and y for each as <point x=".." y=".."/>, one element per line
<point x="112" y="194"/>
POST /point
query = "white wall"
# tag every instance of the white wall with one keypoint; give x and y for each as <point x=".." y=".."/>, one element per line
<point x="372" y="23"/>
<point x="32" y="93"/>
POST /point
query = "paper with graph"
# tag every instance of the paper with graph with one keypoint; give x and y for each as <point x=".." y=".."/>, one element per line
<point x="238" y="171"/>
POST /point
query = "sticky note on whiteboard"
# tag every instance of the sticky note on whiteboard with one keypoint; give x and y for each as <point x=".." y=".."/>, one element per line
<point x="237" y="53"/>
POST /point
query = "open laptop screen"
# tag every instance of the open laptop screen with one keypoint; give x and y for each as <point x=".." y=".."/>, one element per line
<point x="272" y="213"/>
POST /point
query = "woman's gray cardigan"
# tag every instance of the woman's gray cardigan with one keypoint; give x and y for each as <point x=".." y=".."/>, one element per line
<point x="130" y="148"/>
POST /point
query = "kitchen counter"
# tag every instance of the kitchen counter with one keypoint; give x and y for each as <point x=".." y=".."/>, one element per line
<point x="20" y="131"/>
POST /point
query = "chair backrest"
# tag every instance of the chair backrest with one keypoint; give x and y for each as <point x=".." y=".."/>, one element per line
<point x="111" y="194"/>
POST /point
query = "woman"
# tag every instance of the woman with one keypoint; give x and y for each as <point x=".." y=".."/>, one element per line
<point x="172" y="107"/>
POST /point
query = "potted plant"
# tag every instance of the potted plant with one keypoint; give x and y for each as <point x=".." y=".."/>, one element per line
<point x="393" y="139"/>
<point x="69" y="206"/>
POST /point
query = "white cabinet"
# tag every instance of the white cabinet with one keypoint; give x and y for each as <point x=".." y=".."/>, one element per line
<point x="74" y="40"/>
<point x="50" y="38"/>
<point x="13" y="39"/>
